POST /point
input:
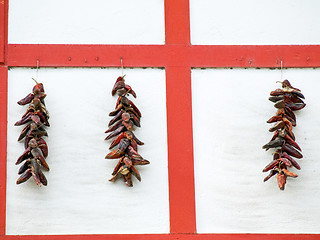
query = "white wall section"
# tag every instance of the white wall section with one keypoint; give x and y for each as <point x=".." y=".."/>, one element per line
<point x="230" y="110"/>
<point x="79" y="199"/>
<point x="245" y="22"/>
<point x="86" y="22"/>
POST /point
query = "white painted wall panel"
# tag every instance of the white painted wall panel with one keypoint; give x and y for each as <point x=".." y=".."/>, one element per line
<point x="230" y="110"/>
<point x="79" y="199"/>
<point x="86" y="22"/>
<point x="254" y="22"/>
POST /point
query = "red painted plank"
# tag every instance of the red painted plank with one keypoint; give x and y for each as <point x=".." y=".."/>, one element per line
<point x="254" y="237"/>
<point x="177" y="23"/>
<point x="180" y="150"/>
<point x="167" y="237"/>
<point x="3" y="146"/>
<point x="246" y="237"/>
<point x="89" y="236"/>
<point x="262" y="56"/>
<point x="3" y="29"/>
<point x="60" y="55"/>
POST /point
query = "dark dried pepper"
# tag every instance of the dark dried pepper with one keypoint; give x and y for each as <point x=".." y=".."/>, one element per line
<point x="125" y="116"/>
<point x="287" y="100"/>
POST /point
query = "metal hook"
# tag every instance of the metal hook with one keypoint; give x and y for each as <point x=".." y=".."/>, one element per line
<point x="281" y="69"/>
<point x="121" y="60"/>
<point x="37" y="67"/>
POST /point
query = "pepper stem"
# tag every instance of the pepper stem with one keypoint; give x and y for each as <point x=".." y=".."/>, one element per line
<point x="35" y="80"/>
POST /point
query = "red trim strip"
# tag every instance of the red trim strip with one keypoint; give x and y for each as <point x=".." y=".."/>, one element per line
<point x="86" y="237"/>
<point x="264" y="56"/>
<point x="56" y="55"/>
<point x="180" y="150"/>
<point x="179" y="118"/>
<point x="3" y="146"/>
<point x="167" y="237"/>
<point x="3" y="30"/>
<point x="3" y="25"/>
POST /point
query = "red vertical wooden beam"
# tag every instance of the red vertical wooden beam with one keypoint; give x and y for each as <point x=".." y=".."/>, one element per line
<point x="180" y="150"/>
<point x="3" y="111"/>
<point x="179" y="120"/>
<point x="3" y="146"/>
<point x="177" y="23"/>
<point x="3" y="27"/>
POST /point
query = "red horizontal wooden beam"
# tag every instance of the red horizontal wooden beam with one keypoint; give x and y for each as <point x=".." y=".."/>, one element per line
<point x="166" y="237"/>
<point x="88" y="236"/>
<point x="243" y="56"/>
<point x="56" y="55"/>
<point x="262" y="56"/>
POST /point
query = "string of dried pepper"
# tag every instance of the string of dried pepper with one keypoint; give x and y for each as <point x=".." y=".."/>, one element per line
<point x="36" y="149"/>
<point x="125" y="116"/>
<point x="287" y="100"/>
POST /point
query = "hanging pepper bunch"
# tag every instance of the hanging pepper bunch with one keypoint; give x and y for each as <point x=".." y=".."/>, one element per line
<point x="36" y="150"/>
<point x="287" y="100"/>
<point x="125" y="116"/>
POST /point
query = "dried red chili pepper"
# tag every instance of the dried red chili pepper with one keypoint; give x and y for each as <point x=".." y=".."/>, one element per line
<point x="287" y="100"/>
<point x="36" y="149"/>
<point x="125" y="116"/>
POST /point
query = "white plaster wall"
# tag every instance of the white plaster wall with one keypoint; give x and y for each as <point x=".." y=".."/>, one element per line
<point x="255" y="22"/>
<point x="86" y="22"/>
<point x="230" y="110"/>
<point x="79" y="199"/>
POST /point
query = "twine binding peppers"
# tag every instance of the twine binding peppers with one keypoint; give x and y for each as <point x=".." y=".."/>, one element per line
<point x="125" y="116"/>
<point x="287" y="100"/>
<point x="36" y="149"/>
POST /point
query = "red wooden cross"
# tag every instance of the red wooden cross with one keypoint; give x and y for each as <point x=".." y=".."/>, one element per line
<point x="178" y="56"/>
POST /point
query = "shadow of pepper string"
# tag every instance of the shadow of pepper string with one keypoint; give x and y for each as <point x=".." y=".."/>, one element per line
<point x="287" y="100"/>
<point x="36" y="149"/>
<point x="125" y="116"/>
